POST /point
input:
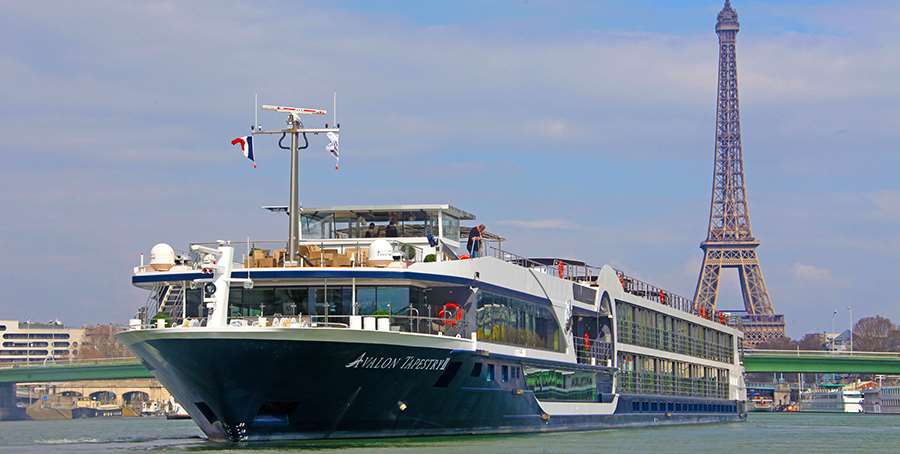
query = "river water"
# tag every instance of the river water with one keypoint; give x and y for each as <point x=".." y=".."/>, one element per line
<point x="788" y="433"/>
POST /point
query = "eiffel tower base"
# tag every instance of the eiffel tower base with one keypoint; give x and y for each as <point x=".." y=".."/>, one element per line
<point x="758" y="329"/>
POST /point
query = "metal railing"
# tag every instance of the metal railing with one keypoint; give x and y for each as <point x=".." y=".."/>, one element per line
<point x="560" y="268"/>
<point x="70" y="362"/>
<point x="821" y="353"/>
<point x="651" y="292"/>
<point x="594" y="352"/>
<point x="380" y="322"/>
<point x="332" y="252"/>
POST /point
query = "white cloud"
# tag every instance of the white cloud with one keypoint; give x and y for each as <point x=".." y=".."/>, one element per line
<point x="811" y="273"/>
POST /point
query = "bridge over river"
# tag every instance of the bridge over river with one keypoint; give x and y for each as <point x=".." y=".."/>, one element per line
<point x="754" y="361"/>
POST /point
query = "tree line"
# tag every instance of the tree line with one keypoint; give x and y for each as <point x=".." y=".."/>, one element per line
<point x="870" y="334"/>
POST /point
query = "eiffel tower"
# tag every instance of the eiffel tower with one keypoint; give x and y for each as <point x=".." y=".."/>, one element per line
<point x="730" y="242"/>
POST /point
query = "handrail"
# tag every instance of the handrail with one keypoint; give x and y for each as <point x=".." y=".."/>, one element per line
<point x="65" y="363"/>
<point x="396" y="322"/>
<point x="822" y="353"/>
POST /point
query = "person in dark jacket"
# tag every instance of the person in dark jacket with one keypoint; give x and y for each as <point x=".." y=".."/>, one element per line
<point x="475" y="241"/>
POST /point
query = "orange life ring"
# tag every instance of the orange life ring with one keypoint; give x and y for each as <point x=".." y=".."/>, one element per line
<point x="662" y="296"/>
<point x="454" y="311"/>
<point x="562" y="269"/>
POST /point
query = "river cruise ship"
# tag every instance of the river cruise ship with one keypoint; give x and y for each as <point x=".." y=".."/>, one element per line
<point x="385" y="326"/>
<point x="884" y="399"/>
<point x="832" y="399"/>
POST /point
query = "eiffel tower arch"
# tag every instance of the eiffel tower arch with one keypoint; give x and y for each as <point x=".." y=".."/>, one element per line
<point x="729" y="241"/>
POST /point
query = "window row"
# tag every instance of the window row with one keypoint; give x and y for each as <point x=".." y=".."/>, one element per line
<point x="640" y="374"/>
<point x="648" y="328"/>
<point x="36" y="336"/>
<point x="679" y="407"/>
<point x="33" y="352"/>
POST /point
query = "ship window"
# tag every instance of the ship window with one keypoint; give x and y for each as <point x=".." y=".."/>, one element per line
<point x="490" y="373"/>
<point x="504" y="373"/>
<point x="583" y="294"/>
<point x="670" y="407"/>
<point x="645" y="406"/>
<point x="516" y="322"/>
<point x="2" y="327"/>
<point x="450" y="227"/>
<point x="476" y="370"/>
<point x="653" y="407"/>
<point x="635" y="406"/>
<point x="678" y="407"/>
<point x="562" y="384"/>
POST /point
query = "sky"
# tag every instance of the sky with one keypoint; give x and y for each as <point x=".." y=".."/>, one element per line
<point x="574" y="129"/>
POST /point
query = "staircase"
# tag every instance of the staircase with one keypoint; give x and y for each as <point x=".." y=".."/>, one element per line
<point x="172" y="302"/>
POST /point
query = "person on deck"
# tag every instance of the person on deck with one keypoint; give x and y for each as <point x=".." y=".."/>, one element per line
<point x="474" y="243"/>
<point x="372" y="231"/>
<point x="391" y="230"/>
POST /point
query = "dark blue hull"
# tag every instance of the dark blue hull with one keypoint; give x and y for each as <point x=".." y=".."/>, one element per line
<point x="246" y="389"/>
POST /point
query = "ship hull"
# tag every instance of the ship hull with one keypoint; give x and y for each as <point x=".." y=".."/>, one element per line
<point x="254" y="387"/>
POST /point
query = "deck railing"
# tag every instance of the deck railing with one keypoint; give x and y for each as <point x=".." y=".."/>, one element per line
<point x="380" y="322"/>
<point x="594" y="352"/>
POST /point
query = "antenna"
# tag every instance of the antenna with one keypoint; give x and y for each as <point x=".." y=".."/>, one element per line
<point x="295" y="129"/>
<point x="256" y="111"/>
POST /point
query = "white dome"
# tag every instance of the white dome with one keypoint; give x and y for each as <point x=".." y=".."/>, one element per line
<point x="381" y="253"/>
<point x="162" y="257"/>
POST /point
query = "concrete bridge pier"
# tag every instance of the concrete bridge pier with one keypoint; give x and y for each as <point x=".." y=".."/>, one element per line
<point x="8" y="409"/>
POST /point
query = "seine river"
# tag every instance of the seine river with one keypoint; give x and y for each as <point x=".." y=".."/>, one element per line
<point x="789" y="433"/>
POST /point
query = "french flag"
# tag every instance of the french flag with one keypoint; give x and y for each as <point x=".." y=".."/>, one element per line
<point x="246" y="144"/>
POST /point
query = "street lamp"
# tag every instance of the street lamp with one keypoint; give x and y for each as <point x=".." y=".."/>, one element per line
<point x="850" y="309"/>
<point x="833" y="316"/>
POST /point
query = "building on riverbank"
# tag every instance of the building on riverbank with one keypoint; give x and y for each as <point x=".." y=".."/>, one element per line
<point x="30" y="342"/>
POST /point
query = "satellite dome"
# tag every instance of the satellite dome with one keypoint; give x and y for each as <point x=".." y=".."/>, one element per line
<point x="162" y="257"/>
<point x="381" y="253"/>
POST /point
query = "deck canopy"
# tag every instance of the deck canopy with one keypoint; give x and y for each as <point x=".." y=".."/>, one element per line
<point x="375" y="221"/>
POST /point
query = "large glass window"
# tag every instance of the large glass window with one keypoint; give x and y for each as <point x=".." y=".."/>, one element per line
<point x="450" y="226"/>
<point x="317" y="227"/>
<point x="511" y="321"/>
<point x="566" y="385"/>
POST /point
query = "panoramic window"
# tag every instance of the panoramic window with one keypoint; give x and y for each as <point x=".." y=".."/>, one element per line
<point x="450" y="226"/>
<point x="515" y="322"/>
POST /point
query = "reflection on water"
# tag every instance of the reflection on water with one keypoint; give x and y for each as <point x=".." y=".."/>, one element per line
<point x="788" y="433"/>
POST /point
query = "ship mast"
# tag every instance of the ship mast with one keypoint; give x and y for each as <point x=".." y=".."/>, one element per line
<point x="295" y="128"/>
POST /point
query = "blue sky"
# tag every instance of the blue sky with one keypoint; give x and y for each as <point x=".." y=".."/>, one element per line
<point x="580" y="129"/>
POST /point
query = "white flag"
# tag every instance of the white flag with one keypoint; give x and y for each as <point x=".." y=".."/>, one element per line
<point x="334" y="147"/>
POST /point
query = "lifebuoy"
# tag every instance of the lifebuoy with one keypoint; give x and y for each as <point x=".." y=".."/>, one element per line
<point x="587" y="341"/>
<point x="562" y="269"/>
<point x="455" y="313"/>
<point x="662" y="296"/>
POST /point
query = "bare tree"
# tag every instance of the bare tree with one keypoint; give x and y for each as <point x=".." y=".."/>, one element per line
<point x="871" y="334"/>
<point x="100" y="342"/>
<point x="812" y="341"/>
<point x="778" y="343"/>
